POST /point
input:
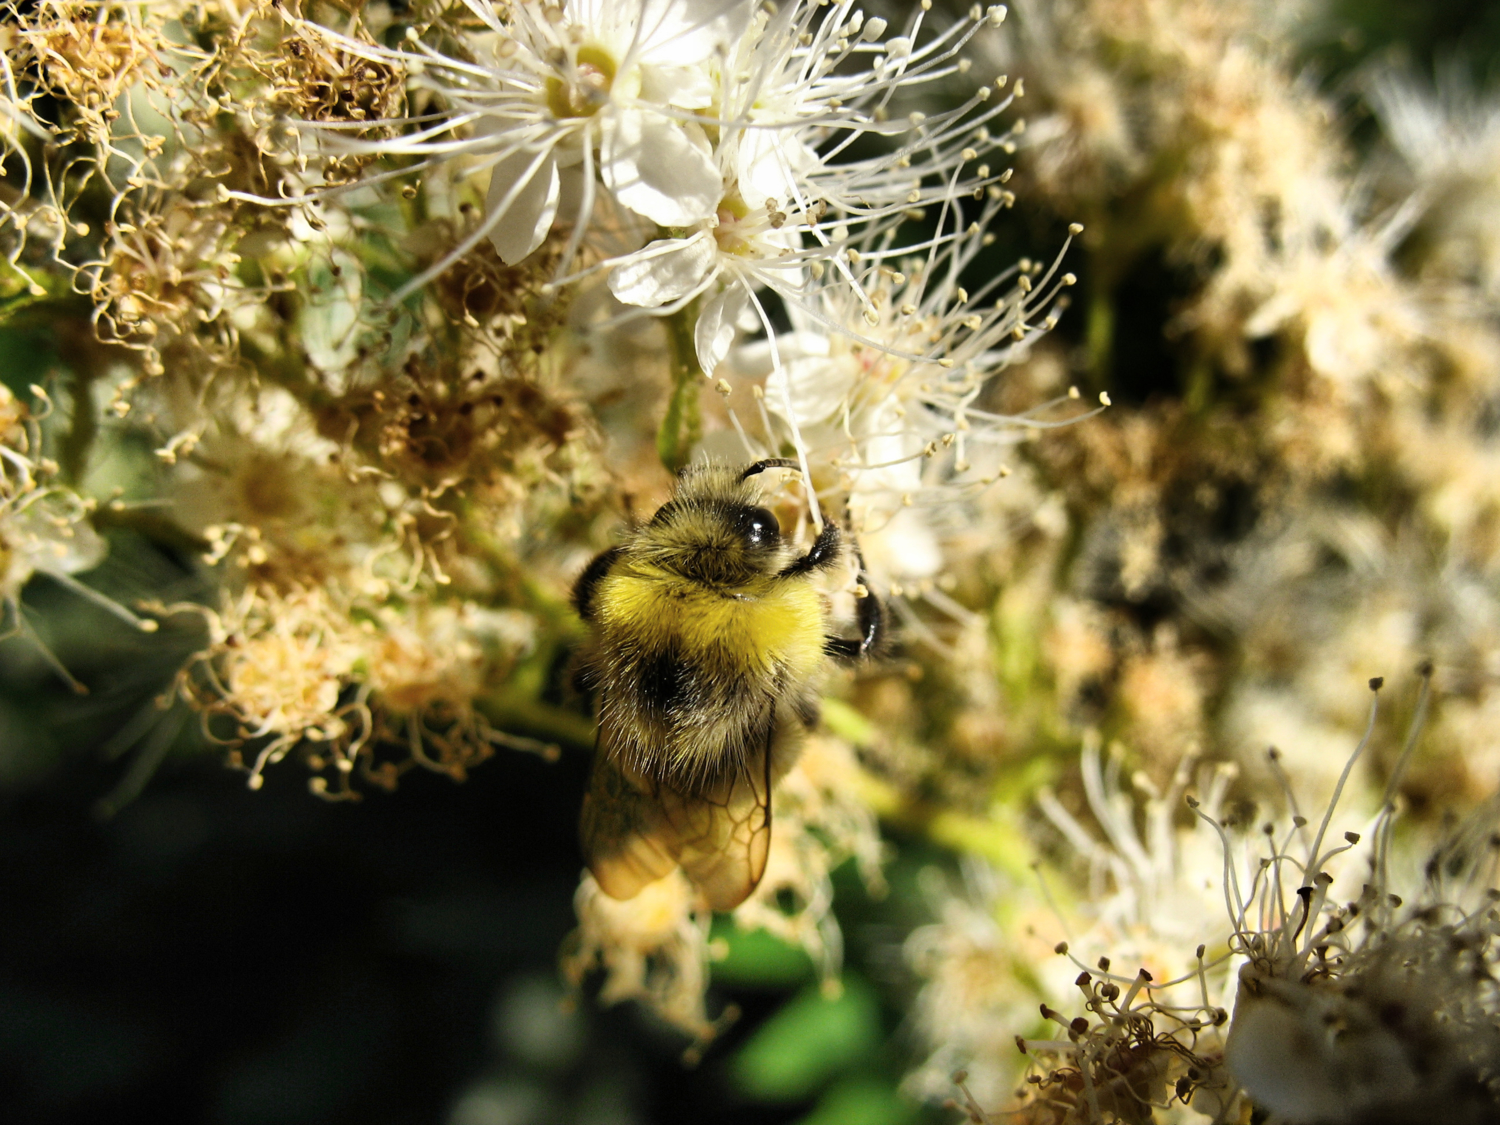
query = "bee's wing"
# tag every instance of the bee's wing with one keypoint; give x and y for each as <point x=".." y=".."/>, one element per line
<point x="636" y="830"/>
<point x="724" y="835"/>
<point x="626" y="840"/>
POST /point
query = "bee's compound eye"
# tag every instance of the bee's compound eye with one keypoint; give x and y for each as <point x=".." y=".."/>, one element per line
<point x="759" y="528"/>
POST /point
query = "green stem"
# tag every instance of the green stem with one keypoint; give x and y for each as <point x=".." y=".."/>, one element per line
<point x="151" y="524"/>
<point x="73" y="450"/>
<point x="682" y="425"/>
<point x="1101" y="332"/>
<point x="515" y="713"/>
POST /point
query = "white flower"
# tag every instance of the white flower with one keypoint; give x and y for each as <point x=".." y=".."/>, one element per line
<point x="1348" y="1003"/>
<point x="44" y="530"/>
<point x="1449" y="139"/>
<point x="792" y="101"/>
<point x="741" y="249"/>
<point x="622" y="75"/>
<point x="652" y="948"/>
<point x="891" y="408"/>
<point x="1340" y="292"/>
<point x="551" y="98"/>
<point x="977" y="964"/>
<point x="727" y="129"/>
<point x="1351" y="1002"/>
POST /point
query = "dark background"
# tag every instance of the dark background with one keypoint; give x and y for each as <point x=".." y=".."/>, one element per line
<point x="198" y="952"/>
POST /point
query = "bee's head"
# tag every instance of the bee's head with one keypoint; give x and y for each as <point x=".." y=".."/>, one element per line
<point x="714" y="529"/>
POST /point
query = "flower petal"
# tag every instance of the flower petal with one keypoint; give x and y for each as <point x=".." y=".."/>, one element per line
<point x="687" y="87"/>
<point x="532" y="208"/>
<point x="683" y="32"/>
<point x="771" y="164"/>
<point x="816" y="386"/>
<point x="663" y="272"/>
<point x="714" y="333"/>
<point x="661" y="169"/>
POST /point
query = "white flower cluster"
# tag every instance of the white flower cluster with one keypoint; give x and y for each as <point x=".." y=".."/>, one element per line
<point x="1315" y="992"/>
<point x="892" y="414"/>
<point x="698" y="157"/>
<point x="724" y="136"/>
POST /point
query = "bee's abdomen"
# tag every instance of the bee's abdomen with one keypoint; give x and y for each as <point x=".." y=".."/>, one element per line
<point x="663" y="685"/>
<point x="677" y="687"/>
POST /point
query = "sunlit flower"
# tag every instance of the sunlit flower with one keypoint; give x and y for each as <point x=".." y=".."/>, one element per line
<point x="268" y="493"/>
<point x="652" y="948"/>
<point x="342" y="682"/>
<point x="787" y="209"/>
<point x="45" y="530"/>
<point x="894" y="410"/>
<point x="975" y="961"/>
<point x="725" y="128"/>
<point x="277" y="666"/>
<point x="1338" y="293"/>
<point x="548" y="94"/>
<point x="1349" y="1003"/>
<point x="87" y="60"/>
<point x="1449" y="139"/>
<point x="1314" y="998"/>
<point x="423" y="668"/>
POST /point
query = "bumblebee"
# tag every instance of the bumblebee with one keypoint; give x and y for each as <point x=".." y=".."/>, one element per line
<point x="708" y="639"/>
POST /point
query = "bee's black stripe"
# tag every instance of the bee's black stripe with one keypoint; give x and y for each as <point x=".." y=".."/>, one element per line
<point x="807" y="710"/>
<point x="664" y="682"/>
<point x="588" y="581"/>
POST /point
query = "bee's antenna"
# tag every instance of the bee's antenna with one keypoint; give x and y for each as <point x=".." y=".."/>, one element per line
<point x="771" y="463"/>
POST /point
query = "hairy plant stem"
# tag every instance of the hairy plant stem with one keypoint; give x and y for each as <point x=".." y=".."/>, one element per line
<point x="73" y="449"/>
<point x="682" y="425"/>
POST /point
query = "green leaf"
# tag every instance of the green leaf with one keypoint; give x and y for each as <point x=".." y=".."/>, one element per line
<point x="808" y="1042"/>
<point x="757" y="957"/>
<point x="862" y="1100"/>
<point x="848" y="723"/>
<point x="26" y="357"/>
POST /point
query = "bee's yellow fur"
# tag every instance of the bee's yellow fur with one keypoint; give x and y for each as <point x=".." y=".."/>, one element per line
<point x="762" y="640"/>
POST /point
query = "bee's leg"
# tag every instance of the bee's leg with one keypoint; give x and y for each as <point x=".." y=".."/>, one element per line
<point x="871" y="618"/>
<point x="588" y="581"/>
<point x="870" y="614"/>
<point x="823" y="554"/>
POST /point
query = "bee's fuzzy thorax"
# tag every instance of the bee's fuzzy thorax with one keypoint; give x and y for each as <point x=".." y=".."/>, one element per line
<point x="702" y="641"/>
<point x="693" y="680"/>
